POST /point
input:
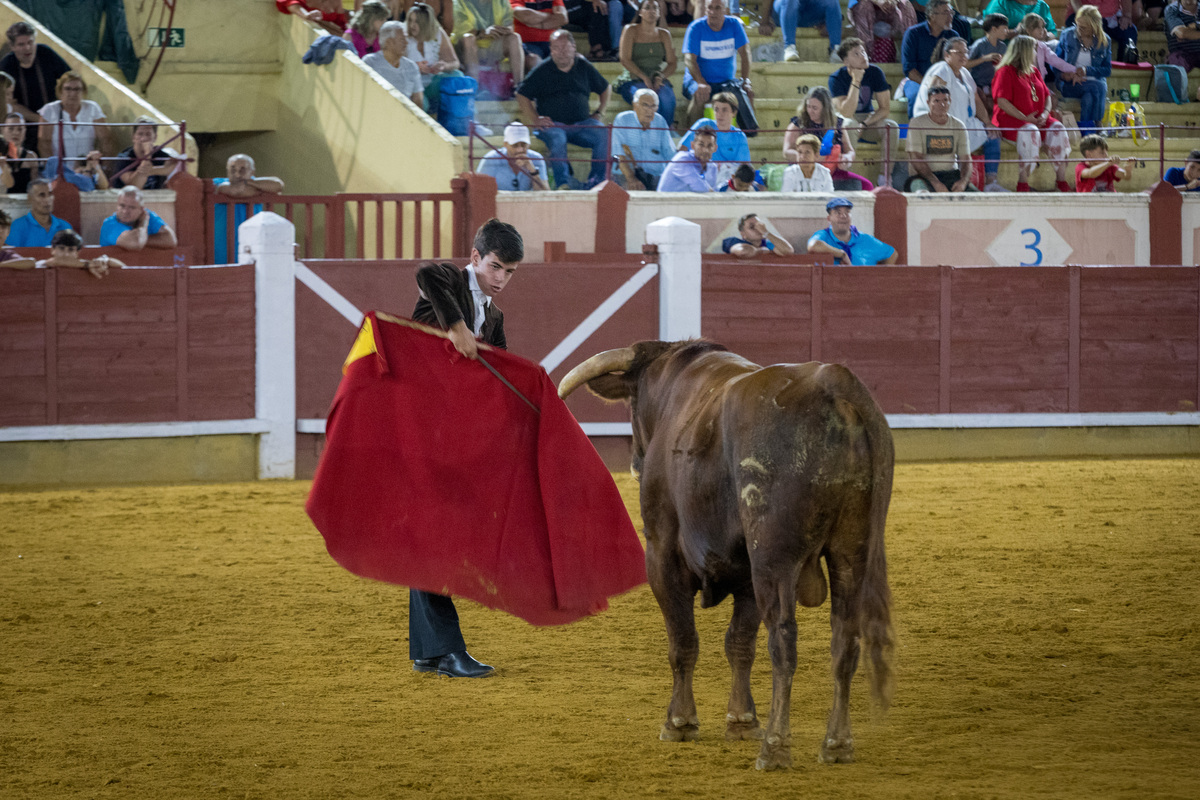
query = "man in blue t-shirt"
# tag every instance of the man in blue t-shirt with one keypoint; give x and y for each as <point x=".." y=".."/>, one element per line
<point x="38" y="227"/>
<point x="134" y="226"/>
<point x="709" y="50"/>
<point x="515" y="167"/>
<point x="845" y="243"/>
<point x="1187" y="177"/>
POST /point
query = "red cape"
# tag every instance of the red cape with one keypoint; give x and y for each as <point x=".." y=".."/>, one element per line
<point x="435" y="475"/>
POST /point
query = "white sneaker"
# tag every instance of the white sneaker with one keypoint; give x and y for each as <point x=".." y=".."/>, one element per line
<point x="833" y="56"/>
<point x="790" y="54"/>
<point x="994" y="186"/>
<point x="483" y="130"/>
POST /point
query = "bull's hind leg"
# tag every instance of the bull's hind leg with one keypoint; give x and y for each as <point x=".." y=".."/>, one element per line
<point x="676" y="595"/>
<point x="777" y="604"/>
<point x="838" y="747"/>
<point x="741" y="720"/>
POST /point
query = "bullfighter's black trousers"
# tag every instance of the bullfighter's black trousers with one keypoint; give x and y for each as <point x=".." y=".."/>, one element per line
<point x="432" y="626"/>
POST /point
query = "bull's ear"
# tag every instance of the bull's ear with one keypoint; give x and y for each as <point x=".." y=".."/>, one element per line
<point x="610" y="386"/>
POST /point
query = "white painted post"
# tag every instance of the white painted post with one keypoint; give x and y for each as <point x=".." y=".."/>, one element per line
<point x="678" y="242"/>
<point x="269" y="241"/>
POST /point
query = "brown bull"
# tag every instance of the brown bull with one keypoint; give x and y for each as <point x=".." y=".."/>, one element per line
<point x="749" y="477"/>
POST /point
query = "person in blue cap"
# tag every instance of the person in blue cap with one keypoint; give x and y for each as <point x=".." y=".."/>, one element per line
<point x="846" y="243"/>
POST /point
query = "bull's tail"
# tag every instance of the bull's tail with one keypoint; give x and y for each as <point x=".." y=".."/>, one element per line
<point x="875" y="600"/>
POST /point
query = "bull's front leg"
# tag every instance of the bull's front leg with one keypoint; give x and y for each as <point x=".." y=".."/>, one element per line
<point x="777" y="603"/>
<point x="675" y="591"/>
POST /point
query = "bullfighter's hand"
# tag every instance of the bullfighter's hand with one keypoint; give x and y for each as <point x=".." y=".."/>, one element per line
<point x="463" y="340"/>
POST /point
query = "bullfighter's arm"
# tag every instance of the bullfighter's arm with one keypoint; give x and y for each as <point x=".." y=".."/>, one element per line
<point x="437" y="283"/>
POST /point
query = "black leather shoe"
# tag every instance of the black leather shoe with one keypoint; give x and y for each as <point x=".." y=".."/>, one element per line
<point x="425" y="664"/>
<point x="461" y="665"/>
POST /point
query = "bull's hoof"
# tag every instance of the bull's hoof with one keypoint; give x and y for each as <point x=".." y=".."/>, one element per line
<point x="737" y="730"/>
<point x="680" y="730"/>
<point x="837" y="751"/>
<point x="775" y="754"/>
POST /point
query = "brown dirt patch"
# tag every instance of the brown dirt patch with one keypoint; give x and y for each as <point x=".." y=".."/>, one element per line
<point x="197" y="640"/>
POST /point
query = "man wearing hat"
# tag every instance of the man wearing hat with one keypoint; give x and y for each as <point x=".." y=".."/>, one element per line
<point x="846" y="243"/>
<point x="515" y="167"/>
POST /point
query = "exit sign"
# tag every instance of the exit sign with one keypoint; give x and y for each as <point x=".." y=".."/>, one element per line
<point x="165" y="37"/>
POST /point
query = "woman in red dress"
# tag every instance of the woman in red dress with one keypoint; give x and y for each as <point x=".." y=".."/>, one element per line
<point x="1022" y="113"/>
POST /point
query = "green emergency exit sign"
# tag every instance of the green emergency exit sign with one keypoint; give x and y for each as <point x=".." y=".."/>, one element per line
<point x="165" y="37"/>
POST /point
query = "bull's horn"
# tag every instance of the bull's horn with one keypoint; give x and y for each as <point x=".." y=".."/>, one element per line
<point x="600" y="364"/>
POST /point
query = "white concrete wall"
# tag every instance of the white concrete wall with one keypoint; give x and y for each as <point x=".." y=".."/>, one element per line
<point x="1029" y="229"/>
<point x="1190" y="228"/>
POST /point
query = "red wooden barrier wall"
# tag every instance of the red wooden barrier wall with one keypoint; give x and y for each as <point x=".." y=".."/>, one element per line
<point x="138" y="346"/>
<point x="973" y="340"/>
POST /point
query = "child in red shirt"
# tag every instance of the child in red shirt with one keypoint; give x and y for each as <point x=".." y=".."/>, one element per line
<point x="1097" y="172"/>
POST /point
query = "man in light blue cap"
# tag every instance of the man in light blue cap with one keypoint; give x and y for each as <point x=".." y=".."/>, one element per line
<point x="846" y="243"/>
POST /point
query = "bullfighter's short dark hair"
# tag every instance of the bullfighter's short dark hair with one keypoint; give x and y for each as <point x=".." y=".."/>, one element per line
<point x="502" y="239"/>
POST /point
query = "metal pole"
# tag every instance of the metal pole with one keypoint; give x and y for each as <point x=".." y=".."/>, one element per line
<point x="470" y="145"/>
<point x="1162" y="149"/>
<point x="608" y="160"/>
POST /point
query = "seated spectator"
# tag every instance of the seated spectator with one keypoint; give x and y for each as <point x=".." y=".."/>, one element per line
<point x="1183" y="35"/>
<point x="815" y="115"/>
<point x="328" y="14"/>
<point x="806" y="175"/>
<point x="555" y="100"/>
<point x="87" y="177"/>
<point x="602" y="19"/>
<point x="430" y="49"/>
<point x="1148" y="14"/>
<point x="240" y="182"/>
<point x="862" y="96"/>
<point x="1015" y="10"/>
<point x="1034" y="27"/>
<point x="78" y="134"/>
<point x="648" y="56"/>
<point x="825" y="15"/>
<point x="515" y="167"/>
<point x="363" y="31"/>
<point x="950" y="71"/>
<point x="22" y="163"/>
<point x="678" y="12"/>
<point x="148" y="165"/>
<point x="916" y="50"/>
<point x="1187" y="177"/>
<point x="134" y="226"/>
<point x="893" y="17"/>
<point x="11" y="259"/>
<point x="64" y="253"/>
<point x="937" y="148"/>
<point x="393" y="66"/>
<point x="641" y="143"/>
<point x="692" y="170"/>
<point x="36" y="69"/>
<point x="38" y="227"/>
<point x="710" y="47"/>
<point x="1022" y="113"/>
<point x="483" y="31"/>
<point x="443" y="11"/>
<point x="985" y="54"/>
<point x="754" y="240"/>
<point x="845" y="243"/>
<point x="733" y="147"/>
<point x="1088" y="50"/>
<point x="534" y="21"/>
<point x="744" y="179"/>
<point x="10" y="91"/>
<point x="1097" y="172"/>
<point x="1118" y="19"/>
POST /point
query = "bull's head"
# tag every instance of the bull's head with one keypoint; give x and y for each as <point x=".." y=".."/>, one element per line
<point x="633" y="373"/>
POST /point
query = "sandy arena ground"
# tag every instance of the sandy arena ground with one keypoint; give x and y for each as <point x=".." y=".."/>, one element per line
<point x="197" y="641"/>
